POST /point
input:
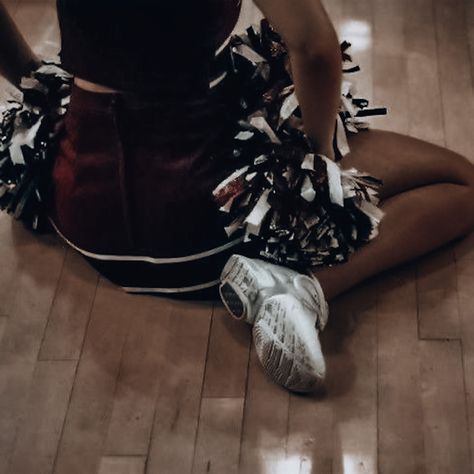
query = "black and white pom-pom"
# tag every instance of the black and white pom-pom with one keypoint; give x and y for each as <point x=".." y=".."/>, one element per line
<point x="300" y="207"/>
<point x="28" y="128"/>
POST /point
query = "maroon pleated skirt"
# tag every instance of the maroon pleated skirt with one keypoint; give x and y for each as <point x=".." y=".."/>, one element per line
<point x="133" y="181"/>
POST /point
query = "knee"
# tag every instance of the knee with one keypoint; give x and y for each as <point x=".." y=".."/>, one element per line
<point x="467" y="173"/>
<point x="462" y="169"/>
<point x="451" y="206"/>
<point x="471" y="206"/>
<point x="465" y="206"/>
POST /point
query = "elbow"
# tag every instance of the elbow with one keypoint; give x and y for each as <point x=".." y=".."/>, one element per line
<point x="321" y="44"/>
<point x="324" y="54"/>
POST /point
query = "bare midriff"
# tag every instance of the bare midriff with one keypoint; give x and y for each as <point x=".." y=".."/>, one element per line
<point x="93" y="87"/>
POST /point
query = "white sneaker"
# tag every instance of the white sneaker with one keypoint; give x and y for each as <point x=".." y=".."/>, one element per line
<point x="287" y="344"/>
<point x="246" y="283"/>
<point x="287" y="310"/>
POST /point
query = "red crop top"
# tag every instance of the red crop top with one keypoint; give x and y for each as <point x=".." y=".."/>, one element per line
<point x="158" y="47"/>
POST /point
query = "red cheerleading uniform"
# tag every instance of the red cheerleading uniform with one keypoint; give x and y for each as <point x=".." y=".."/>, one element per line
<point x="134" y="172"/>
<point x="199" y="155"/>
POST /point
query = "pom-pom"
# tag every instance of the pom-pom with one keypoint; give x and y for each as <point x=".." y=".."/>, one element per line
<point x="28" y="128"/>
<point x="301" y="208"/>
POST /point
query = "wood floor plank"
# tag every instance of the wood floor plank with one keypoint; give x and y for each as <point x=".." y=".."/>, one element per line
<point x="28" y="306"/>
<point x="356" y="27"/>
<point x="36" y="268"/>
<point x="400" y="417"/>
<point x="81" y="445"/>
<point x="311" y="419"/>
<point x="335" y="12"/>
<point x="311" y="435"/>
<point x="355" y="408"/>
<point x="218" y="440"/>
<point x="39" y="434"/>
<point x="70" y="312"/>
<point x="3" y="325"/>
<point x="464" y="249"/>
<point x="465" y="274"/>
<point x="6" y="89"/>
<point x="425" y="110"/>
<point x="389" y="27"/>
<point x="442" y="387"/>
<point x="390" y="66"/>
<point x="438" y="313"/>
<point x="228" y="356"/>
<point x="139" y="379"/>
<point x="15" y="378"/>
<point x="470" y="26"/>
<point x="390" y="76"/>
<point x="180" y="387"/>
<point x="265" y="423"/>
<point x="10" y="259"/>
<point x="338" y="432"/>
<point x="455" y="75"/>
<point x="122" y="465"/>
<point x="38" y="22"/>
<point x="400" y="421"/>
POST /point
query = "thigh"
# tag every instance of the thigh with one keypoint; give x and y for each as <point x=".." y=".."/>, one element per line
<point x="404" y="163"/>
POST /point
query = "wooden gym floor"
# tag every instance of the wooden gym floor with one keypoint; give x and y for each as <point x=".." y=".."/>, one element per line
<point x="96" y="381"/>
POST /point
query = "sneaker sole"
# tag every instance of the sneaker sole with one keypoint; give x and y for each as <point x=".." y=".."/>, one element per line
<point x="232" y="301"/>
<point x="280" y="366"/>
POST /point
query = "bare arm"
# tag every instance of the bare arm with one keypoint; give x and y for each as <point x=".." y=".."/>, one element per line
<point x="16" y="57"/>
<point x="315" y="58"/>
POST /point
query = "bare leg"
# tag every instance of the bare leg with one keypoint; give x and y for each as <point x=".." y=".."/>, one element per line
<point x="428" y="197"/>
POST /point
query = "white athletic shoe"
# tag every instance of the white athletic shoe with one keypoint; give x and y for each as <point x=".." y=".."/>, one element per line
<point x="246" y="283"/>
<point x="287" y="344"/>
<point x="287" y="310"/>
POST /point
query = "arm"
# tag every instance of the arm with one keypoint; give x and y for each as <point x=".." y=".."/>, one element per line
<point x="316" y="64"/>
<point x="16" y="57"/>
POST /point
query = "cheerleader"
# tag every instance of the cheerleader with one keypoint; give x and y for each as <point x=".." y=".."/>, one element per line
<point x="178" y="160"/>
